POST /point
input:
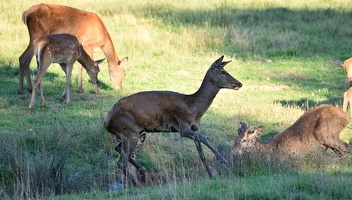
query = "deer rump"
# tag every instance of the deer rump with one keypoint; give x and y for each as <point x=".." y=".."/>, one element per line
<point x="317" y="129"/>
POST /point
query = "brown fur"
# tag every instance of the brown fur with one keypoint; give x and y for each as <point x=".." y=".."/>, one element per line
<point x="45" y="19"/>
<point x="167" y="111"/>
<point x="347" y="65"/>
<point x="65" y="50"/>
<point x="318" y="128"/>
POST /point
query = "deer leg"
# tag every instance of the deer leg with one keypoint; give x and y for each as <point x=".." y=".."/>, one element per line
<point x="202" y="157"/>
<point x="42" y="67"/>
<point x="138" y="166"/>
<point x="126" y="148"/>
<point x="68" y="83"/>
<point x="80" y="87"/>
<point x="345" y="101"/>
<point x="189" y="133"/>
<point x="217" y="154"/>
<point x="25" y="60"/>
<point x="350" y="102"/>
<point x="42" y="94"/>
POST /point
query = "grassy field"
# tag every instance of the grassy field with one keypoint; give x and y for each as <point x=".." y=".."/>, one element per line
<point x="285" y="54"/>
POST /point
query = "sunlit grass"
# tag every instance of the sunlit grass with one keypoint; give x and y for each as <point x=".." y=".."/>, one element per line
<point x="282" y="51"/>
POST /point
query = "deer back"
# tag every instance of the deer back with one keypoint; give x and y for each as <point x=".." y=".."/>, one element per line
<point x="59" y="48"/>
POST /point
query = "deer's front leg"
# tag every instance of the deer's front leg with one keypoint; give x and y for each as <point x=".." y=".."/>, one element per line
<point x="189" y="133"/>
<point x="68" y="83"/>
<point x="80" y="87"/>
<point x="202" y="157"/>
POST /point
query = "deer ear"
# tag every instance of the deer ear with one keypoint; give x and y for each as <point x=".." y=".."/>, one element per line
<point x="142" y="138"/>
<point x="242" y="129"/>
<point x="217" y="62"/>
<point x="123" y="62"/>
<point x="225" y="63"/>
<point x="99" y="61"/>
<point x="258" y="131"/>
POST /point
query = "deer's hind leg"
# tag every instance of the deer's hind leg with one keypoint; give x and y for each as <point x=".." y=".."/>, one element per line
<point x="42" y="67"/>
<point x="128" y="146"/>
<point x="329" y="137"/>
<point x="25" y="60"/>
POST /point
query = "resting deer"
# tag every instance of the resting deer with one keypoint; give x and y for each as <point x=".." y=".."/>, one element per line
<point x="318" y="128"/>
<point x="45" y="19"/>
<point x="167" y="111"/>
<point x="65" y="50"/>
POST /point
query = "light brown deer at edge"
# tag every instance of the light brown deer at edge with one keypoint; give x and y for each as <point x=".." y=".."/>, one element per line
<point x="167" y="111"/>
<point x="347" y="66"/>
<point x="45" y="19"/>
<point x="65" y="50"/>
<point x="347" y="100"/>
<point x="318" y="128"/>
<point x="347" y="96"/>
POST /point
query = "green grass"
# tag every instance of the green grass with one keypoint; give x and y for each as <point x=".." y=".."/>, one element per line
<point x="283" y="52"/>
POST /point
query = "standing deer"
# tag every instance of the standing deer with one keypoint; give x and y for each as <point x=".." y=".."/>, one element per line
<point x="65" y="50"/>
<point x="45" y="19"/>
<point x="318" y="128"/>
<point x="347" y="100"/>
<point x="167" y="111"/>
<point x="347" y="65"/>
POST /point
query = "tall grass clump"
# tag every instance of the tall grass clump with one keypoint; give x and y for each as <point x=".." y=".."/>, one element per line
<point x="59" y="161"/>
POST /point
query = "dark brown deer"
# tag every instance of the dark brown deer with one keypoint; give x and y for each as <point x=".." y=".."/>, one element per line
<point x="318" y="128"/>
<point x="45" y="19"/>
<point x="65" y="50"/>
<point x="167" y="111"/>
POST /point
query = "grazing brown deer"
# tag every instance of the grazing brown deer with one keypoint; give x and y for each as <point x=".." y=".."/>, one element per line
<point x="318" y="128"/>
<point x="167" y="111"/>
<point x="347" y="65"/>
<point x="65" y="50"/>
<point x="45" y="19"/>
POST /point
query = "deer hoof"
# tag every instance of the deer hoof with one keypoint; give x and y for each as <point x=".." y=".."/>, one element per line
<point x="31" y="110"/>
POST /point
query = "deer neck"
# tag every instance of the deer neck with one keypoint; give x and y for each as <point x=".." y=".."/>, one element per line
<point x="110" y="54"/>
<point x="84" y="59"/>
<point x="264" y="148"/>
<point x="205" y="94"/>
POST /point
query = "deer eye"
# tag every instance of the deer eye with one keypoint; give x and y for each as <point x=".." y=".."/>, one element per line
<point x="223" y="72"/>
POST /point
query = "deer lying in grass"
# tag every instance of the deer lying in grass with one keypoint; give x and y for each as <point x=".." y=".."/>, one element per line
<point x="65" y="50"/>
<point x="347" y="65"/>
<point x="167" y="111"/>
<point x="45" y="19"/>
<point x="318" y="128"/>
<point x="147" y="179"/>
